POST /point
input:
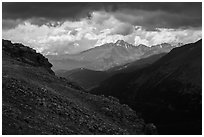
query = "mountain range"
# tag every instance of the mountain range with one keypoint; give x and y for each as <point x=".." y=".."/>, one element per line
<point x="107" y="56"/>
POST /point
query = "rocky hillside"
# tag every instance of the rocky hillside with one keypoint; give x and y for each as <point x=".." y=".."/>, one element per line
<point x="25" y="54"/>
<point x="107" y="56"/>
<point x="34" y="101"/>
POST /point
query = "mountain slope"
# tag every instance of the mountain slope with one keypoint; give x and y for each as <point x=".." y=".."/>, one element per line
<point x="84" y="77"/>
<point x="135" y="65"/>
<point x="35" y="101"/>
<point x="89" y="79"/>
<point x="168" y="92"/>
<point x="107" y="56"/>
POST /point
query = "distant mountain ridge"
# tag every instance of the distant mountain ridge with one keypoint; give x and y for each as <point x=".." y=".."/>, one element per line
<point x="107" y="56"/>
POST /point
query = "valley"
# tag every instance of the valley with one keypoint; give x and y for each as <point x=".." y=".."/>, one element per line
<point x="156" y="86"/>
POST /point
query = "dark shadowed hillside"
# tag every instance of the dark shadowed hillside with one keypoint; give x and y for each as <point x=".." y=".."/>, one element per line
<point x="135" y="65"/>
<point x="35" y="101"/>
<point x="84" y="77"/>
<point x="168" y="92"/>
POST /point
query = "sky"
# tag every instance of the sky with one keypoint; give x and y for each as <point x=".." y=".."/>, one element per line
<point x="68" y="28"/>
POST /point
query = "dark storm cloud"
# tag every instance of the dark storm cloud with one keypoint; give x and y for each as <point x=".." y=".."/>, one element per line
<point x="51" y="10"/>
<point x="150" y="15"/>
<point x="159" y="19"/>
<point x="8" y="23"/>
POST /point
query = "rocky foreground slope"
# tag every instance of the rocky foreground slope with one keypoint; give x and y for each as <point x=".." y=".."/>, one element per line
<point x="35" y="101"/>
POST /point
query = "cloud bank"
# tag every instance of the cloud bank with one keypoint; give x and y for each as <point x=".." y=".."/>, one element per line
<point x="69" y="30"/>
